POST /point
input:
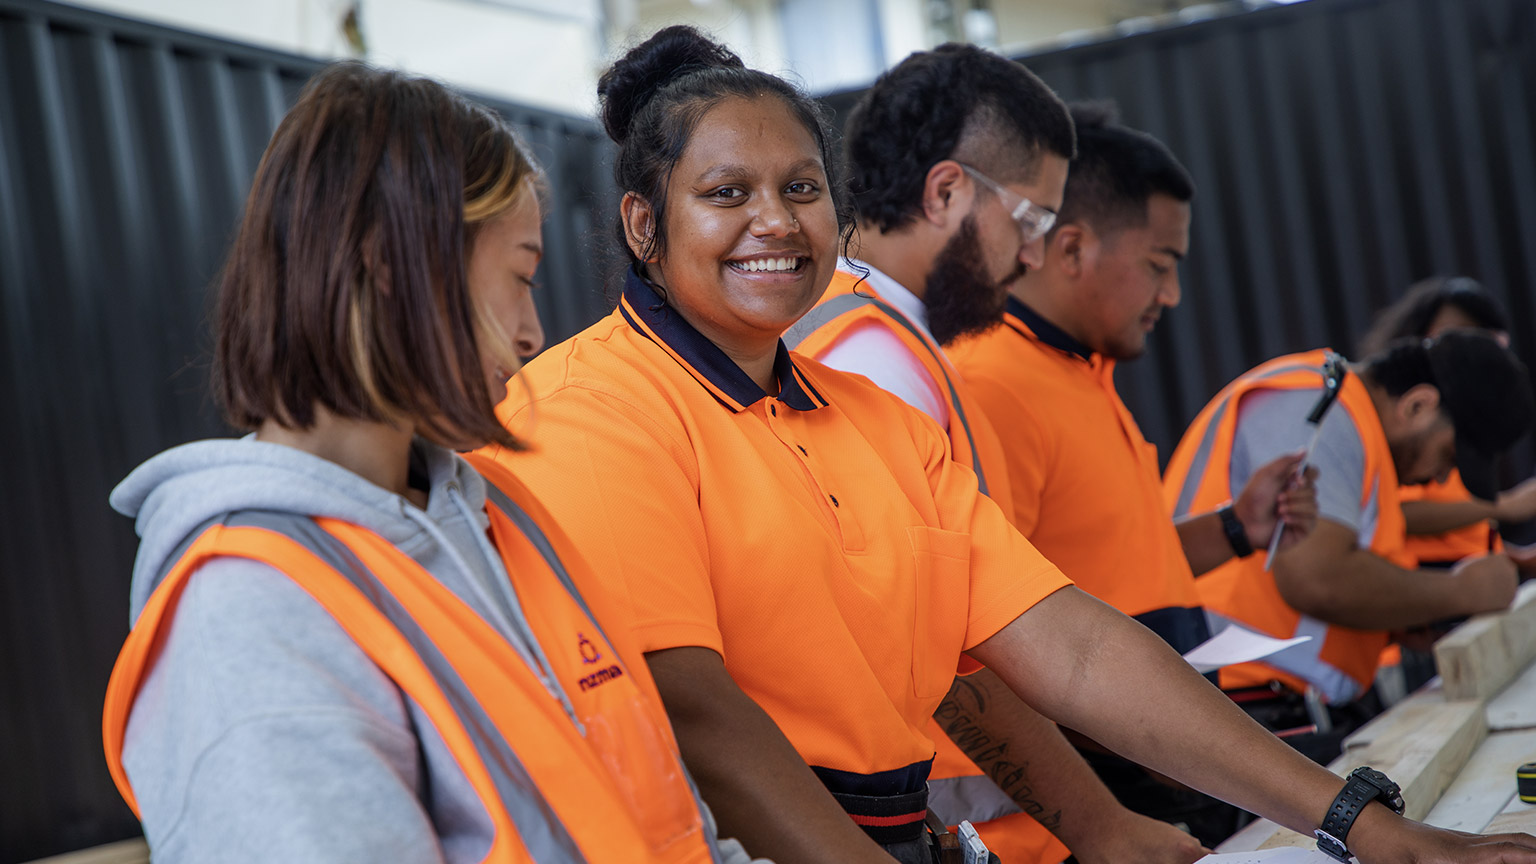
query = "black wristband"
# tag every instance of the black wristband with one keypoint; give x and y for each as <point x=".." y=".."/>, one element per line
<point x="1237" y="535"/>
<point x="1363" y="786"/>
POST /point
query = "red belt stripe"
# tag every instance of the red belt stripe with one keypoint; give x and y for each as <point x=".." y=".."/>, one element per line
<point x="885" y="821"/>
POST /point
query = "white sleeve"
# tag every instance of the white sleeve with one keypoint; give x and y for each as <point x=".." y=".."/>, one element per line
<point x="881" y="356"/>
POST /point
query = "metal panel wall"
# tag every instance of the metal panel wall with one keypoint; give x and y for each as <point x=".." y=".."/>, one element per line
<point x="1342" y="149"/>
<point x="125" y="154"/>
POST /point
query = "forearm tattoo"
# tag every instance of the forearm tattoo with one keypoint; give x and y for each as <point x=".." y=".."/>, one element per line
<point x="959" y="716"/>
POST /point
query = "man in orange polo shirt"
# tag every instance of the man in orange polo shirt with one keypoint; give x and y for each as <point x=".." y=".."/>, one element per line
<point x="940" y="231"/>
<point x="1045" y="380"/>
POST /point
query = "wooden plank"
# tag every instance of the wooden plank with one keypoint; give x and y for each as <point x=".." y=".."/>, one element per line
<point x="1391" y="722"/>
<point x="125" y="852"/>
<point x="1478" y="658"/>
<point x="1517" y="816"/>
<point x="1487" y="783"/>
<point x="1422" y="748"/>
<point x="1285" y="838"/>
<point x="1250" y="838"/>
<point x="1515" y="708"/>
<point x="1426" y="742"/>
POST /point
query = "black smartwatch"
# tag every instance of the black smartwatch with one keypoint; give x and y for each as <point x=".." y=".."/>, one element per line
<point x="1361" y="787"/>
<point x="1237" y="535"/>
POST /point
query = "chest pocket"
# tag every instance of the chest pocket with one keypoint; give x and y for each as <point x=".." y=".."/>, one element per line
<point x="942" y="567"/>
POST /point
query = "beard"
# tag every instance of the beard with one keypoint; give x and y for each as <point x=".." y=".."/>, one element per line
<point x="1406" y="454"/>
<point x="961" y="297"/>
<point x="1129" y="348"/>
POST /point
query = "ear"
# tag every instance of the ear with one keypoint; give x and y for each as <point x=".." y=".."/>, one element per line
<point x="1067" y="245"/>
<point x="1419" y="407"/>
<point x="946" y="194"/>
<point x="639" y="226"/>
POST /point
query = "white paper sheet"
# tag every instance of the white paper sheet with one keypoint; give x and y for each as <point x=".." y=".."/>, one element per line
<point x="1236" y="644"/>
<point x="1293" y="855"/>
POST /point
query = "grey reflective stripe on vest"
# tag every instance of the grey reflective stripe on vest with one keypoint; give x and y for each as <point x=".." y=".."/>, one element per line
<point x="1198" y="465"/>
<point x="536" y="536"/>
<point x="531" y="530"/>
<point x="1303" y="660"/>
<point x="975" y="798"/>
<point x="820" y="315"/>
<point x="824" y="313"/>
<point x="538" y="826"/>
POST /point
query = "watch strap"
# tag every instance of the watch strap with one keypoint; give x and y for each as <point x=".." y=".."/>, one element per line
<point x="1363" y="786"/>
<point x="1237" y="535"/>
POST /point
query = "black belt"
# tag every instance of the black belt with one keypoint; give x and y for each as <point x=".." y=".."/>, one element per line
<point x="887" y="818"/>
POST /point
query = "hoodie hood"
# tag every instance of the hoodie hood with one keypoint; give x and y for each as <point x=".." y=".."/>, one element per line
<point x="176" y="492"/>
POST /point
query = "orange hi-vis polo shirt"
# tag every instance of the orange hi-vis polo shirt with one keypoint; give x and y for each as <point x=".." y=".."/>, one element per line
<point x="958" y="788"/>
<point x="1444" y="550"/>
<point x="1086" y="487"/>
<point x="821" y="540"/>
<point x="1339" y="661"/>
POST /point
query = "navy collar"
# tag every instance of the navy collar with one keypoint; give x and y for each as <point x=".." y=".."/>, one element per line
<point x="1045" y="331"/>
<point x="647" y="311"/>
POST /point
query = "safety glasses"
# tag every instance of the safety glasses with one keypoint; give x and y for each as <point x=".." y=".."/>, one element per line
<point x="1033" y="220"/>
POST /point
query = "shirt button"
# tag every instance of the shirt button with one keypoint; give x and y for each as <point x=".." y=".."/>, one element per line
<point x="802" y="450"/>
<point x="834" y="500"/>
<point x="773" y="409"/>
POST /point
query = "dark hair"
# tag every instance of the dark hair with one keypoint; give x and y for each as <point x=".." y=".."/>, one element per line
<point x="1401" y="366"/>
<point x="1485" y="393"/>
<point x="953" y="101"/>
<point x="1412" y="315"/>
<point x="653" y="99"/>
<point x="346" y="283"/>
<point x="1116" y="171"/>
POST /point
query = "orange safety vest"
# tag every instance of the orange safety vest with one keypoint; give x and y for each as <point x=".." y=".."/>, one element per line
<point x="1340" y="661"/>
<point x="1479" y="538"/>
<point x="957" y="787"/>
<point x="600" y="781"/>
<point x="972" y="440"/>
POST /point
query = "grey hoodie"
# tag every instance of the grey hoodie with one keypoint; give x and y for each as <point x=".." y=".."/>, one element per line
<point x="262" y="732"/>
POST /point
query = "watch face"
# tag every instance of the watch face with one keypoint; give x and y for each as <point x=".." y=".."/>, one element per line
<point x="1391" y="793"/>
<point x="1388" y="793"/>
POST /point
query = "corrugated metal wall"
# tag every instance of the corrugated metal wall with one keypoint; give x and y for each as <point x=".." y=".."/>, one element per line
<point x="1343" y="149"/>
<point x="125" y="155"/>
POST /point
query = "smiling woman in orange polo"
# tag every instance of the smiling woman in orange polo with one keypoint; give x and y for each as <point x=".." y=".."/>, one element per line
<point x="805" y="528"/>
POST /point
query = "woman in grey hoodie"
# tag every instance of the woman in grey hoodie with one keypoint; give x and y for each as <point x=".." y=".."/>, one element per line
<point x="348" y="646"/>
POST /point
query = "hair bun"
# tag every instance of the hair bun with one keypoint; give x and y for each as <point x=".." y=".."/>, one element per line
<point x="669" y="54"/>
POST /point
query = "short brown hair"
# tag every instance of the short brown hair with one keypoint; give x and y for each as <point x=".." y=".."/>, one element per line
<point x="346" y="283"/>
